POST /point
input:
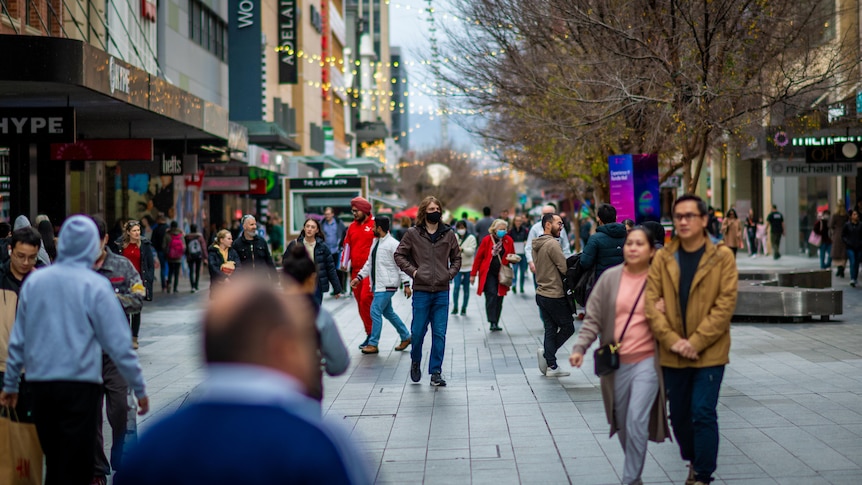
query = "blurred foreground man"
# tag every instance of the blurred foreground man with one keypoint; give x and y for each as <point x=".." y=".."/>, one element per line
<point x="67" y="314"/>
<point x="251" y="422"/>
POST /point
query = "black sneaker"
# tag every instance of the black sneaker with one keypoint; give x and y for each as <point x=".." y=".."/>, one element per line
<point x="363" y="344"/>
<point x="437" y="381"/>
<point x="463" y="312"/>
<point x="415" y="372"/>
<point x="454" y="311"/>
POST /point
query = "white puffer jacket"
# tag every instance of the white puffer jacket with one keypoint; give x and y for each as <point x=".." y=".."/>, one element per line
<point x="387" y="274"/>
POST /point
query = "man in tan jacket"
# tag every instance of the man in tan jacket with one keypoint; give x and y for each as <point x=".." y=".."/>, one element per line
<point x="690" y="298"/>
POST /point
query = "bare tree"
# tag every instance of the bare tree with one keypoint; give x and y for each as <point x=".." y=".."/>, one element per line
<point x="564" y="83"/>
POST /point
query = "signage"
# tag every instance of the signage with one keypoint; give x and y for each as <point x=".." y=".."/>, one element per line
<point x="148" y="10"/>
<point x="634" y="187"/>
<point x="225" y="184"/>
<point x="194" y="179"/>
<point x="119" y="77"/>
<point x="172" y="166"/>
<point x="35" y="125"/>
<point x="104" y="150"/>
<point x="244" y="60"/>
<point x="850" y="151"/>
<point x="800" y="169"/>
<point x="257" y="187"/>
<point x="316" y="19"/>
<point x="245" y="13"/>
<point x="327" y="183"/>
<point x="287" y="61"/>
<point x="328" y="141"/>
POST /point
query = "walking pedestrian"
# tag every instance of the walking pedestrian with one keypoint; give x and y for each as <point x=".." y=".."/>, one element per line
<point x="429" y="253"/>
<point x="22" y="251"/>
<point x="297" y="267"/>
<point x="223" y="260"/>
<point x="471" y="227"/>
<point x="139" y="251"/>
<point x="251" y="421"/>
<point x="23" y="221"/>
<point x="776" y="230"/>
<point x="851" y="234"/>
<point x="196" y="255"/>
<point x="158" y="241"/>
<point x="633" y="395"/>
<point x="253" y="251"/>
<point x="129" y="290"/>
<point x="751" y="233"/>
<point x="314" y="242"/>
<point x="357" y="246"/>
<point x="839" y="250"/>
<point x="468" y="245"/>
<point x="333" y="235"/>
<point x="605" y="247"/>
<point x="821" y="228"/>
<point x="68" y="314"/>
<point x="495" y="252"/>
<point x="385" y="279"/>
<point x="697" y="282"/>
<point x="483" y="224"/>
<point x="519" y="234"/>
<point x="731" y="231"/>
<point x="537" y="230"/>
<point x="49" y="242"/>
<point x="555" y="311"/>
<point x="175" y="249"/>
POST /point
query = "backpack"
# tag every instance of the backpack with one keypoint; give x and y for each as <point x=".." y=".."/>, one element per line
<point x="578" y="281"/>
<point x="195" y="251"/>
<point x="175" y="247"/>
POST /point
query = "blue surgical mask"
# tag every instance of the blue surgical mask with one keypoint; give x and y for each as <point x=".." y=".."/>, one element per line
<point x="501" y="233"/>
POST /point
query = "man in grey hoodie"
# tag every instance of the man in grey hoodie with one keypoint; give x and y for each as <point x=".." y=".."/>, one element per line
<point x="67" y="313"/>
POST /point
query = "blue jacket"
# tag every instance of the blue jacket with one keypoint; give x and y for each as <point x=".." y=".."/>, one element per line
<point x="605" y="248"/>
<point x="68" y="314"/>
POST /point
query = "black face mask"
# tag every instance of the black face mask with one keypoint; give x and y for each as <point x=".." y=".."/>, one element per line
<point x="433" y="217"/>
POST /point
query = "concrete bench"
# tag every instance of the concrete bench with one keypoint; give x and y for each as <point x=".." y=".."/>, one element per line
<point x="788" y="294"/>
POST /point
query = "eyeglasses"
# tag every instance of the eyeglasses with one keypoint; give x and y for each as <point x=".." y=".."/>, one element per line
<point x="355" y="211"/>
<point x="688" y="217"/>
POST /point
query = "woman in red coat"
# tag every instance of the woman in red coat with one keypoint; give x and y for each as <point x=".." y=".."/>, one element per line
<point x="496" y="250"/>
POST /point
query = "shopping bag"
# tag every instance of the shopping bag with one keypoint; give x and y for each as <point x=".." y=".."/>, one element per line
<point x="814" y="239"/>
<point x="20" y="451"/>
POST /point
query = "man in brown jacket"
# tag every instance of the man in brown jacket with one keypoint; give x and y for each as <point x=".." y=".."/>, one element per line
<point x="429" y="253"/>
<point x="694" y="283"/>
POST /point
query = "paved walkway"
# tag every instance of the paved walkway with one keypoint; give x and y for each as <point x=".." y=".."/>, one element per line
<point x="790" y="408"/>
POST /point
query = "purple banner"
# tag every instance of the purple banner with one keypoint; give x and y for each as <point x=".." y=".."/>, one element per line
<point x="622" y="186"/>
<point x="646" y="188"/>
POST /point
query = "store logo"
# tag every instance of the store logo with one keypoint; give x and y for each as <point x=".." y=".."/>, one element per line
<point x="172" y="166"/>
<point x="119" y="77"/>
<point x="245" y="14"/>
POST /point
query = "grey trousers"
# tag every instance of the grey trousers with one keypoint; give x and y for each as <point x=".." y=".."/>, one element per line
<point x="635" y="388"/>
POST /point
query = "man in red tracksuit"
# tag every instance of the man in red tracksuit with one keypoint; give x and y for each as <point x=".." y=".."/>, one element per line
<point x="357" y="246"/>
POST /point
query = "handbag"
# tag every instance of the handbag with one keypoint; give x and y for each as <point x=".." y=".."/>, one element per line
<point x="607" y="357"/>
<point x="20" y="451"/>
<point x="506" y="276"/>
<point x="815" y="239"/>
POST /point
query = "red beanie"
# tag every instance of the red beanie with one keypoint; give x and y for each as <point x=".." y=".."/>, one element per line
<point x="361" y="204"/>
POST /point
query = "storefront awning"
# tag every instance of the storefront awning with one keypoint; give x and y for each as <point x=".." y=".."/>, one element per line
<point x="111" y="98"/>
<point x="270" y="136"/>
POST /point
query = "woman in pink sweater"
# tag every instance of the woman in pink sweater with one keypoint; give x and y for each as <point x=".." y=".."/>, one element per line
<point x="634" y="394"/>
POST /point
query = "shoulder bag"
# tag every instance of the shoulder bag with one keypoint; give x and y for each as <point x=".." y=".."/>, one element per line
<point x="506" y="275"/>
<point x="607" y="357"/>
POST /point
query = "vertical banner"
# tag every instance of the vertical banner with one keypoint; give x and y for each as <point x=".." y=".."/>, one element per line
<point x="622" y="186"/>
<point x="244" y="59"/>
<point x="288" y="71"/>
<point x="646" y="188"/>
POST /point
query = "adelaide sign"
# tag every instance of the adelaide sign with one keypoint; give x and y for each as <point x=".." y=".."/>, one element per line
<point x="288" y="71"/>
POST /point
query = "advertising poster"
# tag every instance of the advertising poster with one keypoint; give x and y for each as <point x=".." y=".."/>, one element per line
<point x="622" y="186"/>
<point x="646" y="188"/>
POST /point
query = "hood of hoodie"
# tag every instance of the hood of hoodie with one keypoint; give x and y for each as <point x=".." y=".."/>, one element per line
<point x="78" y="243"/>
<point x="614" y="229"/>
<point x="541" y="241"/>
<point x="21" y="221"/>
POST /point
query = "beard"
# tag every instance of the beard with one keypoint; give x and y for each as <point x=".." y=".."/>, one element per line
<point x="359" y="217"/>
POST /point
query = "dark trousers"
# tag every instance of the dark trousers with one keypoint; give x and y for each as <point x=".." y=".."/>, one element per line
<point x="775" y="239"/>
<point x="135" y="322"/>
<point x="66" y="415"/>
<point x="493" y="301"/>
<point x="693" y="397"/>
<point x="342" y="275"/>
<point x="174" y="274"/>
<point x="559" y="325"/>
<point x="163" y="268"/>
<point x="195" y="272"/>
<point x="752" y="240"/>
<point x="24" y="408"/>
<point x="116" y="392"/>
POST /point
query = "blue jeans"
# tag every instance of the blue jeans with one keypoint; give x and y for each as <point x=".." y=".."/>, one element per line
<point x="520" y="270"/>
<point x="853" y="259"/>
<point x="462" y="280"/>
<point x="430" y="307"/>
<point x="693" y="397"/>
<point x="163" y="267"/>
<point x="825" y="256"/>
<point x="382" y="307"/>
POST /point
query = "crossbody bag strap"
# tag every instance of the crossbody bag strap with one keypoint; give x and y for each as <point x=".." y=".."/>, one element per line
<point x="631" y="314"/>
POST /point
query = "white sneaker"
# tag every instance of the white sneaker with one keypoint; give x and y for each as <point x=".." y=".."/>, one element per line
<point x="558" y="372"/>
<point x="853" y="283"/>
<point x="543" y="364"/>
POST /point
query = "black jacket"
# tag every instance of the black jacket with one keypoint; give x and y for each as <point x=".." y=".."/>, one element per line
<point x="215" y="260"/>
<point x="326" y="274"/>
<point x="148" y="264"/>
<point x="852" y="235"/>
<point x="254" y="256"/>
<point x="605" y="248"/>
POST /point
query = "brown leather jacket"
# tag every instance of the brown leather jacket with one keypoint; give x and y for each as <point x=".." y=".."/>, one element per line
<point x="711" y="303"/>
<point x="432" y="265"/>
